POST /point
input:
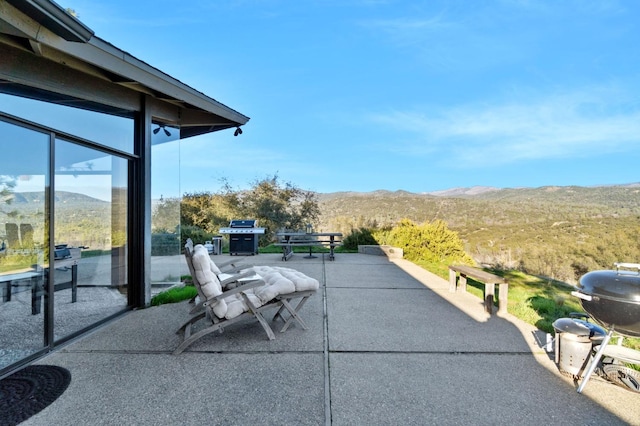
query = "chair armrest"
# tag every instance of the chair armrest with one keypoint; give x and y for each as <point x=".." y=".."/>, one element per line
<point x="237" y="277"/>
<point x="231" y="263"/>
<point x="245" y="286"/>
<point x="235" y="269"/>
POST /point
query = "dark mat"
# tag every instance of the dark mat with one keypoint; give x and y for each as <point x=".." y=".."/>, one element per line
<point x="30" y="390"/>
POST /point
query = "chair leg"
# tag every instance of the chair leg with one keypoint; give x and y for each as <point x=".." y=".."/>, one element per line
<point x="191" y="321"/>
<point x="256" y="312"/>
<point x="190" y="338"/>
<point x="292" y="311"/>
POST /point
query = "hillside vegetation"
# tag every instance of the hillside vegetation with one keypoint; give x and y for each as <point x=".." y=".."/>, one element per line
<point x="558" y="232"/>
<point x="80" y="219"/>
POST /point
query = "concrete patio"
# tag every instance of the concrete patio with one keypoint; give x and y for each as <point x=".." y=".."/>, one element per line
<point x="387" y="344"/>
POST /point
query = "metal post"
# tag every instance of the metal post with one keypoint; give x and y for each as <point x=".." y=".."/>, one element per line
<point x="595" y="360"/>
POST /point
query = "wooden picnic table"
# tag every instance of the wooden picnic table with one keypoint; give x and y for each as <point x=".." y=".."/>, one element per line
<point x="288" y="240"/>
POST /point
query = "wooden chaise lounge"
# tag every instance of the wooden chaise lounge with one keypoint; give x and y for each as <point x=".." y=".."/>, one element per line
<point x="244" y="295"/>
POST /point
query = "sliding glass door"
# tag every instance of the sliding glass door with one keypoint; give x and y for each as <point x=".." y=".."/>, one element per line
<point x="24" y="171"/>
<point x="90" y="223"/>
<point x="51" y="289"/>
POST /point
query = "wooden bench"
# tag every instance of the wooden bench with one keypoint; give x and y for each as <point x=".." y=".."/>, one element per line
<point x="288" y="240"/>
<point x="489" y="280"/>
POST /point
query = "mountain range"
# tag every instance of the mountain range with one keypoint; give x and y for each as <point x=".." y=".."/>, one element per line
<point x="556" y="231"/>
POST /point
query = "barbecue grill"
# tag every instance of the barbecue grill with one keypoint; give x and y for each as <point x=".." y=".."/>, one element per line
<point x="61" y="252"/>
<point x="243" y="236"/>
<point x="612" y="299"/>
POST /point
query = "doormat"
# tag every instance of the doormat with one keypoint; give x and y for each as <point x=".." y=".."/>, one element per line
<point x="30" y="390"/>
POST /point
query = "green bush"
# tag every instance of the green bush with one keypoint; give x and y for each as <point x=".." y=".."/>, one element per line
<point x="361" y="236"/>
<point x="197" y="234"/>
<point x="430" y="242"/>
<point x="165" y="244"/>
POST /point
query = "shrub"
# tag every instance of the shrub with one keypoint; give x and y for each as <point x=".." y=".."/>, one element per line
<point x="197" y="234"/>
<point x="431" y="242"/>
<point x="361" y="236"/>
<point x="165" y="244"/>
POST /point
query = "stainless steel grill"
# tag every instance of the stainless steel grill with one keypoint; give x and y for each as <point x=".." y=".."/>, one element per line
<point x="243" y="236"/>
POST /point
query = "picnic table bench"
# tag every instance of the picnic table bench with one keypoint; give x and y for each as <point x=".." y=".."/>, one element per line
<point x="489" y="280"/>
<point x="288" y="240"/>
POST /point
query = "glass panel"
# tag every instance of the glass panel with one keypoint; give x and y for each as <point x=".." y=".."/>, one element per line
<point x="90" y="224"/>
<point x="24" y="164"/>
<point x="108" y="130"/>
<point x="166" y="260"/>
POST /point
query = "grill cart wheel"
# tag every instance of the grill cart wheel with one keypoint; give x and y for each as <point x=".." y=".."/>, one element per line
<point x="623" y="376"/>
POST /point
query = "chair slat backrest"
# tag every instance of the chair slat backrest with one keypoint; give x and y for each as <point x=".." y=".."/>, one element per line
<point x="188" y="255"/>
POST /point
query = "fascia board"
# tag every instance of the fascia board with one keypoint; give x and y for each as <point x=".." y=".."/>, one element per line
<point x="104" y="55"/>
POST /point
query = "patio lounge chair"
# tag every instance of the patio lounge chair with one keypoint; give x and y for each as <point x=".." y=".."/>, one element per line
<point x="257" y="289"/>
<point x="227" y="273"/>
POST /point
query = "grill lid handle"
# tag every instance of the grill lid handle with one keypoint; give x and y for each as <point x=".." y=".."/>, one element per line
<point x="625" y="265"/>
<point x="582" y="296"/>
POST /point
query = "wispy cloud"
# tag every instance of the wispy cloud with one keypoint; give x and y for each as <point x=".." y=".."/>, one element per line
<point x="411" y="31"/>
<point x="450" y="42"/>
<point x="567" y="125"/>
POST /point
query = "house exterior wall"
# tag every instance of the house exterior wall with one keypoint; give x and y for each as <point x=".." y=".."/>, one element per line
<point x="77" y="121"/>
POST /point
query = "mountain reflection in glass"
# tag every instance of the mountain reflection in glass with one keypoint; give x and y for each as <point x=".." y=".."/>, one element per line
<point x="24" y="165"/>
<point x="90" y="211"/>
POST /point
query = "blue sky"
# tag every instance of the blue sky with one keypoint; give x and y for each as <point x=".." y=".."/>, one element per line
<point x="360" y="95"/>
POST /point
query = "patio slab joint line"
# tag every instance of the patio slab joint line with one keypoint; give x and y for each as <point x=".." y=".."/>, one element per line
<point x="327" y="379"/>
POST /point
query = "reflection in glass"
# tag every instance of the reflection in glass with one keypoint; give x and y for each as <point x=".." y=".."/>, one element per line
<point x="24" y="157"/>
<point x="166" y="262"/>
<point x="90" y="224"/>
<point x="108" y="130"/>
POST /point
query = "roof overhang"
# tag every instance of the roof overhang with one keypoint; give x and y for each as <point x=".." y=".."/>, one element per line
<point x="50" y="55"/>
<point x="50" y="15"/>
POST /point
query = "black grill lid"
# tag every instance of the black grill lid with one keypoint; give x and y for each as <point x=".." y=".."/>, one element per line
<point x="612" y="298"/>
<point x="246" y="223"/>
<point x="615" y="285"/>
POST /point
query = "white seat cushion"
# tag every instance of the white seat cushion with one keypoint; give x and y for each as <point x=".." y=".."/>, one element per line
<point x="208" y="281"/>
<point x="281" y="280"/>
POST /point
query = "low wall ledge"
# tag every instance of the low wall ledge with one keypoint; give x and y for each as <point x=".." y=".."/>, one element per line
<point x="389" y="251"/>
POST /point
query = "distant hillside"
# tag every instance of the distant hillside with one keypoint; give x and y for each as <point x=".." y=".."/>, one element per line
<point x="61" y="196"/>
<point x="456" y="192"/>
<point x="557" y="231"/>
<point x="81" y="220"/>
<point x="463" y="205"/>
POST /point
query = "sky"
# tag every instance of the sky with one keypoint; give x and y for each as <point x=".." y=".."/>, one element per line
<point x="421" y="96"/>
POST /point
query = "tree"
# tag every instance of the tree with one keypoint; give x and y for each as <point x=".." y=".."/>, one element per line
<point x="166" y="215"/>
<point x="7" y="185"/>
<point x="273" y="204"/>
